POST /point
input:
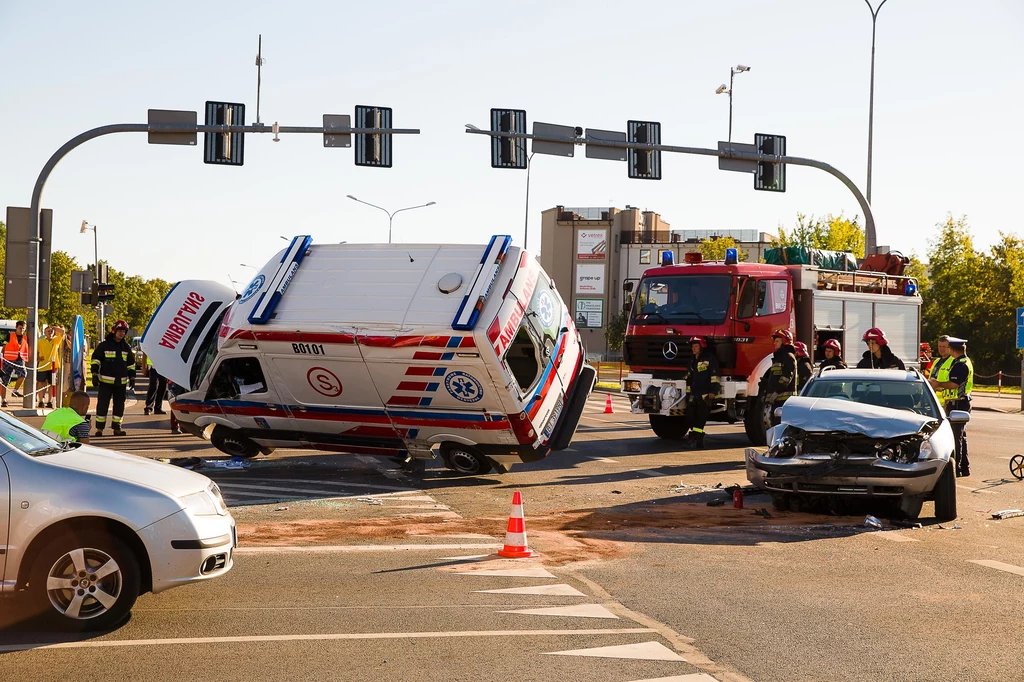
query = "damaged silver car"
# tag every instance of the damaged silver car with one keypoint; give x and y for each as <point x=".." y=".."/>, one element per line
<point x="862" y="433"/>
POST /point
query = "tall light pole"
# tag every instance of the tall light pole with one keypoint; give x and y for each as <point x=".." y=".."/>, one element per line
<point x="391" y="214"/>
<point x="739" y="68"/>
<point x="243" y="265"/>
<point x="96" y="272"/>
<point x="871" y="97"/>
<point x="526" y="227"/>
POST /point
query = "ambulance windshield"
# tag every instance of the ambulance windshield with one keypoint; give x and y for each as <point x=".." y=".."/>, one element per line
<point x="207" y="352"/>
<point x="534" y="343"/>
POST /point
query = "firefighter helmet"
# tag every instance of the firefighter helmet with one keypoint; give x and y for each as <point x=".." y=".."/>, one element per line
<point x="785" y="335"/>
<point x="876" y="334"/>
<point x="834" y="345"/>
<point x="120" y="324"/>
<point x="801" y="349"/>
<point x="700" y="340"/>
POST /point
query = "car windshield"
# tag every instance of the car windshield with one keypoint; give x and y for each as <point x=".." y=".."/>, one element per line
<point x="207" y="352"/>
<point x="682" y="299"/>
<point x="23" y="437"/>
<point x="901" y="395"/>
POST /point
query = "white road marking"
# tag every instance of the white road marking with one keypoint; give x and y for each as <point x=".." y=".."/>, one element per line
<point x="299" y="549"/>
<point x="604" y="459"/>
<point x="894" y="537"/>
<point x="648" y="472"/>
<point x="526" y="572"/>
<point x="573" y="611"/>
<point x="647" y="651"/>
<point x="99" y="644"/>
<point x="692" y="677"/>
<point x="976" y="490"/>
<point x="559" y="590"/>
<point x="246" y="487"/>
<point x="416" y="506"/>
<point x="343" y="484"/>
<point x="471" y="557"/>
<point x="999" y="566"/>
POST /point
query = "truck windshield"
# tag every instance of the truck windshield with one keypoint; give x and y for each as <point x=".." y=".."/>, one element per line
<point x="682" y="299"/>
<point x="207" y="352"/>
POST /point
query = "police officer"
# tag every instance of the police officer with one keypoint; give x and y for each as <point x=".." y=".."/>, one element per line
<point x="804" y="368"/>
<point x="942" y="364"/>
<point x="833" y="355"/>
<point x="878" y="355"/>
<point x="113" y="368"/>
<point x="702" y="387"/>
<point x="68" y="424"/>
<point x="780" y="381"/>
<point x="956" y="385"/>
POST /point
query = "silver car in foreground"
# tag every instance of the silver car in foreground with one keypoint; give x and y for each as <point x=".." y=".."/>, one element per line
<point x="84" y="531"/>
<point x="862" y="433"/>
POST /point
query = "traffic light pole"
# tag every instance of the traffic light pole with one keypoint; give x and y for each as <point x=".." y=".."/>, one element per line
<point x="869" y="220"/>
<point x="32" y="319"/>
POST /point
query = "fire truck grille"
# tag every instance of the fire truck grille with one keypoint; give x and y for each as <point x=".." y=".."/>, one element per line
<point x="657" y="351"/>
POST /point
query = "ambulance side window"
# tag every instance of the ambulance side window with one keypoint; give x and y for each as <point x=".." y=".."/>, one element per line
<point x="521" y="359"/>
<point x="237" y="377"/>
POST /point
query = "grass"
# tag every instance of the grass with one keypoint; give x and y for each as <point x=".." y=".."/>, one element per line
<point x="608" y="386"/>
<point x="1013" y="390"/>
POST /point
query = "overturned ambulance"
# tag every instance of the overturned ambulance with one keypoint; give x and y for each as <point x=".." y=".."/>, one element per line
<point x="379" y="349"/>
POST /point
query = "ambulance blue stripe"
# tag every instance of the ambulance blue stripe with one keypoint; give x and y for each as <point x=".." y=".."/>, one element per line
<point x="262" y="312"/>
<point x="370" y="411"/>
<point x="432" y="387"/>
<point x="157" y="311"/>
<point x="440" y="371"/>
<point x="470" y="324"/>
<point x="448" y="356"/>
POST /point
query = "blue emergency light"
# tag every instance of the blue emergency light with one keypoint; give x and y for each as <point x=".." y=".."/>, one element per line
<point x="666" y="258"/>
<point x="732" y="257"/>
<point x="910" y="289"/>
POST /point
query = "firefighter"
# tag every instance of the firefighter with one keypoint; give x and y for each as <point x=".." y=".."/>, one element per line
<point x="780" y="380"/>
<point x="956" y="385"/>
<point x="804" y="367"/>
<point x="878" y="355"/>
<point x="925" y="358"/>
<point x="113" y="368"/>
<point x="702" y="388"/>
<point x="833" y="355"/>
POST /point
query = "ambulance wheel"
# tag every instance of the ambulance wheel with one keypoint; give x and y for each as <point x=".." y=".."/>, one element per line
<point x="669" y="428"/>
<point x="464" y="459"/>
<point x="230" y="442"/>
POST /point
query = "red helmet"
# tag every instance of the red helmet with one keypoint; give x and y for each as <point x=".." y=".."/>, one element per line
<point x="834" y="345"/>
<point x="801" y="349"/>
<point x="784" y="334"/>
<point x="120" y="324"/>
<point x="876" y="334"/>
<point x="700" y="340"/>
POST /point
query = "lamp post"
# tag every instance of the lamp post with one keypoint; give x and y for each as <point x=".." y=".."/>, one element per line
<point x="391" y="214"/>
<point x="526" y="226"/>
<point x="249" y="266"/>
<point x="871" y="97"/>
<point x="739" y="68"/>
<point x="96" y="272"/>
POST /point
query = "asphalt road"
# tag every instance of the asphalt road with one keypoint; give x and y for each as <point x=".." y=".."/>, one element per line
<point x="349" y="569"/>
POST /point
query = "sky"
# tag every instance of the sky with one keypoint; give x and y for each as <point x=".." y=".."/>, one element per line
<point x="948" y="97"/>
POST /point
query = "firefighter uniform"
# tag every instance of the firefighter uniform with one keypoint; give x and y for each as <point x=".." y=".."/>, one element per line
<point x="702" y="379"/>
<point x="835" y="362"/>
<point x="113" y="367"/>
<point x="781" y="378"/>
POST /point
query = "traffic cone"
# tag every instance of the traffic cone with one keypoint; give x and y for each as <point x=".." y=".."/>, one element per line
<point x="608" y="405"/>
<point x="515" y="537"/>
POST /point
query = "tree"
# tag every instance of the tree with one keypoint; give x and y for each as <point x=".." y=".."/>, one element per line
<point x="615" y="331"/>
<point x="64" y="303"/>
<point x="714" y="248"/>
<point x="832" y="233"/>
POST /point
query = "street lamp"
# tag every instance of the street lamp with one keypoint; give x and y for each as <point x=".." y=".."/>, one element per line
<point x="96" y="272"/>
<point x="871" y="97"/>
<point x="526" y="227"/>
<point x="739" y="68"/>
<point x="391" y="214"/>
<point x="249" y="266"/>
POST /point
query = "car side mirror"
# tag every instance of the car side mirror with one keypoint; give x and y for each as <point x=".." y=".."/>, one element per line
<point x="959" y="417"/>
<point x="778" y="413"/>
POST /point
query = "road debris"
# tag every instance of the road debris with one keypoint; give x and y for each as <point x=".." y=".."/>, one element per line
<point x="233" y="464"/>
<point x="716" y="503"/>
<point x="1007" y="514"/>
<point x="903" y="523"/>
<point x="370" y="500"/>
<point x="762" y="512"/>
<point x="872" y="522"/>
<point x="281" y="509"/>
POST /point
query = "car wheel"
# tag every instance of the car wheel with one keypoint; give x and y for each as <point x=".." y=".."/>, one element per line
<point x="85" y="581"/>
<point x="464" y="459"/>
<point x="757" y="419"/>
<point x="945" y="494"/>
<point x="231" y="443"/>
<point x="667" y="427"/>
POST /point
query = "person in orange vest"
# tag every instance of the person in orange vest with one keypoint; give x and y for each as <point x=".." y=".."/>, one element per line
<point x="15" y="357"/>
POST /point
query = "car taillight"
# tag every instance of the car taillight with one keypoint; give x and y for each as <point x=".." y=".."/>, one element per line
<point x="523" y="428"/>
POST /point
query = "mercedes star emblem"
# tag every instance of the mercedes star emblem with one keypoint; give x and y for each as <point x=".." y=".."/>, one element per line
<point x="670" y="350"/>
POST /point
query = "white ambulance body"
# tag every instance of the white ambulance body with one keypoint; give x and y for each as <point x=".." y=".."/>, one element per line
<point x="380" y="349"/>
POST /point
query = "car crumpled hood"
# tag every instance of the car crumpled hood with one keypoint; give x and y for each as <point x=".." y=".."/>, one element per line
<point x="140" y="470"/>
<point x="829" y="414"/>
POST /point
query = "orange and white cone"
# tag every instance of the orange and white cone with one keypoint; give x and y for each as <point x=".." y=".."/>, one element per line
<point x="515" y="537"/>
<point x="608" y="405"/>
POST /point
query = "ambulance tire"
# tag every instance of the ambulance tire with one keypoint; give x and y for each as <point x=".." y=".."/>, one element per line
<point x="464" y="459"/>
<point x="231" y="443"/>
<point x="667" y="427"/>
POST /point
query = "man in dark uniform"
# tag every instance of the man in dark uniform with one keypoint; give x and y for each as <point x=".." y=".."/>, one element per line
<point x="833" y="355"/>
<point x="702" y="387"/>
<point x="957" y="395"/>
<point x="113" y="368"/>
<point x="878" y="355"/>
<point x="804" y="368"/>
<point x="781" y="378"/>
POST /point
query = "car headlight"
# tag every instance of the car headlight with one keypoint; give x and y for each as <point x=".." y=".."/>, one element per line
<point x="926" y="452"/>
<point x="631" y="386"/>
<point x="207" y="502"/>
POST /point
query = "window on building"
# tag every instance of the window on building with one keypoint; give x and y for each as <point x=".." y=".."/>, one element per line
<point x="645" y="256"/>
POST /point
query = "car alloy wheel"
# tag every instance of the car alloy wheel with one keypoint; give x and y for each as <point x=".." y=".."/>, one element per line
<point x="84" y="583"/>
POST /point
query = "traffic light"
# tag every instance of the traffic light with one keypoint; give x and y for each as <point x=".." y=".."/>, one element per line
<point x="373" y="149"/>
<point x="105" y="292"/>
<point x="644" y="164"/>
<point x="87" y="299"/>
<point x="770" y="177"/>
<point x="224" y="149"/>
<point x="508" y="152"/>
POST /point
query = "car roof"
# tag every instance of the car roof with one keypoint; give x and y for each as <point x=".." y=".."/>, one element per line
<point x="869" y="374"/>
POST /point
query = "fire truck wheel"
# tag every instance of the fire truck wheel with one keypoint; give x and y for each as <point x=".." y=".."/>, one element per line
<point x="757" y="420"/>
<point x="231" y="443"/>
<point x="667" y="427"/>
<point x="464" y="459"/>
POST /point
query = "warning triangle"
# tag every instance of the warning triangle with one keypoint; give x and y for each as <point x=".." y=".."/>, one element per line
<point x="559" y="590"/>
<point x="646" y="651"/>
<point x="573" y="611"/>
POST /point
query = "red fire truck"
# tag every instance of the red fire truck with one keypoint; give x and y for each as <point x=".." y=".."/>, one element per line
<point x="736" y="307"/>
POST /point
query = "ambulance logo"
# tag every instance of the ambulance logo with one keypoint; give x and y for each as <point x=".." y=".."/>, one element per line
<point x="546" y="308"/>
<point x="254" y="288"/>
<point x="463" y="387"/>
